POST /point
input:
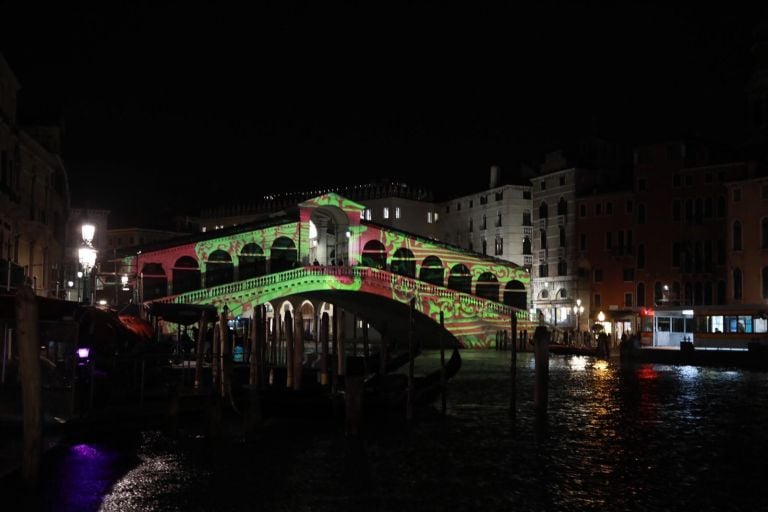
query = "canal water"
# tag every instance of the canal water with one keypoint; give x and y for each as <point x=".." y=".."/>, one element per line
<point x="619" y="438"/>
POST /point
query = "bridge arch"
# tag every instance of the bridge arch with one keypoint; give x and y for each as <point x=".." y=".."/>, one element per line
<point x="515" y="294"/>
<point x="219" y="268"/>
<point x="328" y="242"/>
<point x="403" y="262"/>
<point x="374" y="254"/>
<point x="432" y="271"/>
<point x="252" y="262"/>
<point x="460" y="278"/>
<point x="308" y="318"/>
<point x="283" y="254"/>
<point x="487" y="286"/>
<point x="186" y="275"/>
<point x="154" y="281"/>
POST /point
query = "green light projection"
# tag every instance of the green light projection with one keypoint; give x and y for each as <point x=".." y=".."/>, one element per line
<point x="474" y="321"/>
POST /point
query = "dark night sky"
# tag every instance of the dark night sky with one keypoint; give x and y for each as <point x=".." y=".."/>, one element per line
<point x="181" y="100"/>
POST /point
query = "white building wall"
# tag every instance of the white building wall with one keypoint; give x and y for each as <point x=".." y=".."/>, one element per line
<point x="554" y="294"/>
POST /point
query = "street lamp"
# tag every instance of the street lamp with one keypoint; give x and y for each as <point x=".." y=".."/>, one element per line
<point x="86" y="255"/>
<point x="578" y="309"/>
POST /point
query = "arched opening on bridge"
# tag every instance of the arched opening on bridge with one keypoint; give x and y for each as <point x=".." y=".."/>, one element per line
<point x="330" y="227"/>
<point x="515" y="295"/>
<point x="460" y="279"/>
<point x="270" y="309"/>
<point x="327" y="307"/>
<point x="219" y="269"/>
<point x="252" y="261"/>
<point x="283" y="255"/>
<point x="308" y="319"/>
<point x="403" y="262"/>
<point x="186" y="275"/>
<point x="487" y="286"/>
<point x="285" y="306"/>
<point x="432" y="271"/>
<point x="374" y="254"/>
<point x="154" y="282"/>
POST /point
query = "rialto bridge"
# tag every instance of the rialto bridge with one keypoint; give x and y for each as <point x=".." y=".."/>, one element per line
<point x="321" y="253"/>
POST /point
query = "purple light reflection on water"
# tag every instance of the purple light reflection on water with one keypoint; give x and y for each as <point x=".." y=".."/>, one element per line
<point x="86" y="451"/>
<point x="83" y="352"/>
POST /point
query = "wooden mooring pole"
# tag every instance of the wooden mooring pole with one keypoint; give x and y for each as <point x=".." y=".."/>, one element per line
<point x="443" y="387"/>
<point x="513" y="363"/>
<point x="540" y="390"/>
<point x="410" y="397"/>
<point x="31" y="388"/>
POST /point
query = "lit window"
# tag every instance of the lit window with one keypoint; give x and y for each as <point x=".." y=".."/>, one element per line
<point x="397" y="212"/>
<point x="436" y="216"/>
<point x="362" y="214"/>
<point x="386" y="212"/>
<point x="367" y="214"/>
<point x="429" y="217"/>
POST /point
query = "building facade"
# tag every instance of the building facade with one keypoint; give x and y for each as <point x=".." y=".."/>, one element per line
<point x="34" y="198"/>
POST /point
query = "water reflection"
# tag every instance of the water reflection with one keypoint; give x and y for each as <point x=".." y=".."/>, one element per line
<point x="646" y="437"/>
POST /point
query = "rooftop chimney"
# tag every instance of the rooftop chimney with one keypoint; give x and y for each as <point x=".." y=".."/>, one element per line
<point x="494" y="176"/>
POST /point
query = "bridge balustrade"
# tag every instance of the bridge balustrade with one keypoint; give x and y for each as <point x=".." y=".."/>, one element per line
<point x="371" y="276"/>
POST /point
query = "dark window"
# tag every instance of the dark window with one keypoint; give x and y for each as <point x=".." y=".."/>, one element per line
<point x="583" y="210"/>
<point x="458" y="207"/>
<point x="737" y="236"/>
<point x="543" y="185"/>
<point x="737" y="284"/>
<point x="542" y="239"/>
<point x="641" y="214"/>
<point x="721" y="252"/>
<point x="629" y="206"/>
<point x="543" y="270"/>
<point x="543" y="210"/>
<point x="629" y="274"/>
<point x="708" y="177"/>
<point x="764" y="231"/>
<point x="598" y="275"/>
<point x="562" y="207"/>
<point x="485" y="247"/>
<point x="736" y="195"/>
<point x="765" y="282"/>
<point x="657" y="293"/>
<point x="562" y="237"/>
<point x="527" y="218"/>
<point x="597" y="300"/>
<point x="562" y="180"/>
<point x="526" y="245"/>
<point x="708" y="208"/>
<point x="526" y="194"/>
<point x="640" y="294"/>
<point x="609" y="208"/>
<point x="498" y="220"/>
<point x="676" y="180"/>
<point x="608" y="240"/>
<point x="448" y="208"/>
<point x="676" y="254"/>
<point x="471" y="203"/>
<point x="583" y="242"/>
<point x="641" y="184"/>
<point x="627" y="300"/>
<point x="721" y="292"/>
<point x="676" y="209"/>
<point x="562" y="268"/>
<point x="689" y="210"/>
<point x="598" y="209"/>
<point x="640" y="256"/>
<point x="720" y="207"/>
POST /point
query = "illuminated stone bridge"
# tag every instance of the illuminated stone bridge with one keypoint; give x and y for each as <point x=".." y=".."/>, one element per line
<point x="323" y="253"/>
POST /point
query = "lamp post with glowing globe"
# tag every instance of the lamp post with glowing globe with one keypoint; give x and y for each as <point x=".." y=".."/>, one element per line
<point x="86" y="255"/>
